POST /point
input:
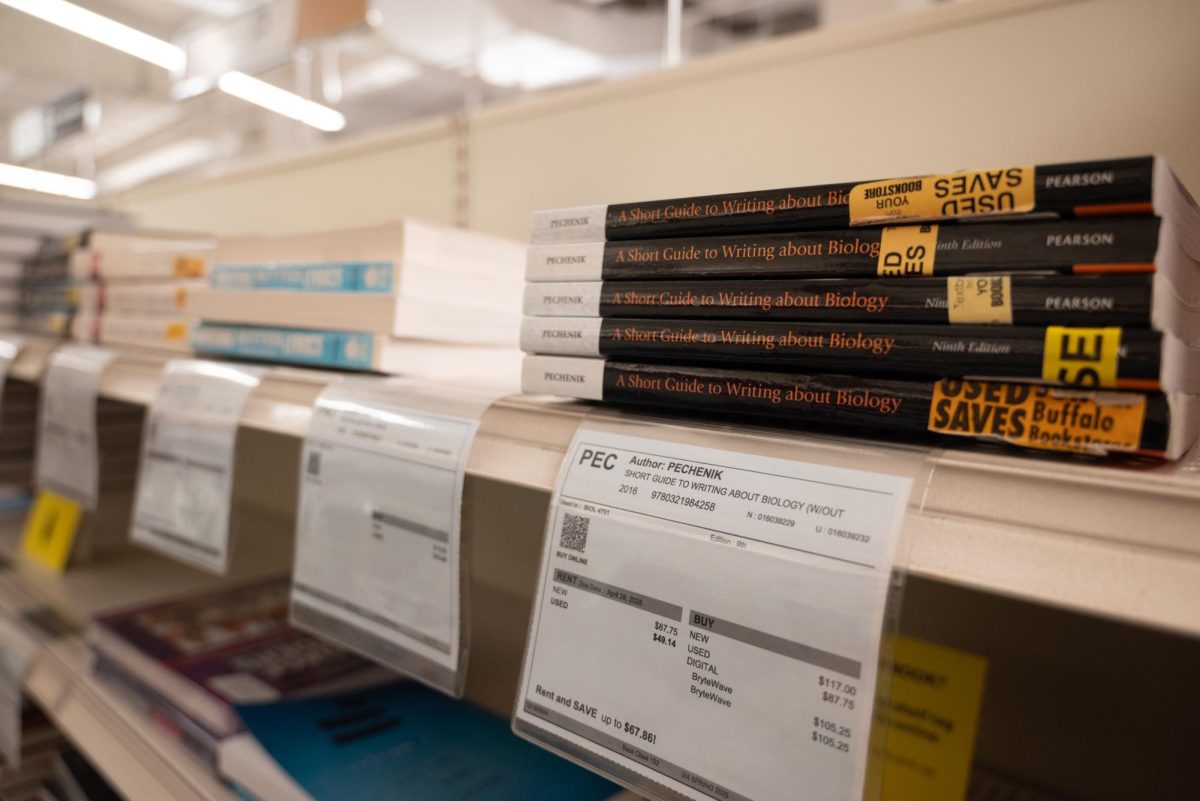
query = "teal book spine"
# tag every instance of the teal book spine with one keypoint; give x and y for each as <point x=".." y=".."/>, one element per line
<point x="375" y="277"/>
<point x="344" y="350"/>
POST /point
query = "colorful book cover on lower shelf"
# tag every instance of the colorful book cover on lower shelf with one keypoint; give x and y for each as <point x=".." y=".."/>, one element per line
<point x="403" y="741"/>
<point x="205" y="652"/>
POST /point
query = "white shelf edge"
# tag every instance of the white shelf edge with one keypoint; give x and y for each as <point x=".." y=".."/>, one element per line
<point x="1113" y="542"/>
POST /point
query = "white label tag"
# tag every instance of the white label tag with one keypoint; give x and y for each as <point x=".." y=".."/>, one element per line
<point x="10" y="348"/>
<point x="17" y="650"/>
<point x="186" y="477"/>
<point x="708" y="622"/>
<point x="378" y="551"/>
<point x="68" y="458"/>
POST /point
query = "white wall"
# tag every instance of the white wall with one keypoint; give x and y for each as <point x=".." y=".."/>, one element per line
<point x="978" y="83"/>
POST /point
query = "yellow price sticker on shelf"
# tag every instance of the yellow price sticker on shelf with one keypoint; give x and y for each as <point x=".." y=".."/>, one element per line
<point x="932" y="716"/>
<point x="50" y="530"/>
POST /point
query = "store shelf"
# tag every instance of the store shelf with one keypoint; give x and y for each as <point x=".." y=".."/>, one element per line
<point x="140" y="761"/>
<point x="1117" y="540"/>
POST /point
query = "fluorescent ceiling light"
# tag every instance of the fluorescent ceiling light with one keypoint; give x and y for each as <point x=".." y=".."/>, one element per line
<point x="218" y="8"/>
<point x="51" y="183"/>
<point x="533" y="61"/>
<point x="176" y="156"/>
<point x="281" y="101"/>
<point x="104" y="30"/>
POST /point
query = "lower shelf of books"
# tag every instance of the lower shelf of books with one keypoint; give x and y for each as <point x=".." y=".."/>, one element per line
<point x="135" y="756"/>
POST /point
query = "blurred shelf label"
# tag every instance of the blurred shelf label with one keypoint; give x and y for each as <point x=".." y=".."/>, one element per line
<point x="379" y="561"/>
<point x="183" y="502"/>
<point x="68" y="459"/>
<point x="50" y="530"/>
<point x="708" y="622"/>
<point x="17" y="651"/>
<point x="10" y="348"/>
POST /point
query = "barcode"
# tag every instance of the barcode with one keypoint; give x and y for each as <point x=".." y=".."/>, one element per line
<point x="314" y="463"/>
<point x="574" y="532"/>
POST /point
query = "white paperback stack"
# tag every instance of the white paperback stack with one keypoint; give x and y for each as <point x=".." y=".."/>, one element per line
<point x="130" y="288"/>
<point x="407" y="298"/>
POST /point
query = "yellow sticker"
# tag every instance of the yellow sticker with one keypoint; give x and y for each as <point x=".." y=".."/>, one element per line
<point x="1035" y="416"/>
<point x="974" y="193"/>
<point x="175" y="332"/>
<point x="1081" y="356"/>
<point x="907" y="250"/>
<point x="180" y="297"/>
<point x="188" y="267"/>
<point x="932" y="715"/>
<point x="979" y="299"/>
<point x="50" y="530"/>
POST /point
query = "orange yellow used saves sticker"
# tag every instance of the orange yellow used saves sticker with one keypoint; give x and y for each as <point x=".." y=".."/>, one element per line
<point x="1033" y="416"/>
<point x="1008" y="190"/>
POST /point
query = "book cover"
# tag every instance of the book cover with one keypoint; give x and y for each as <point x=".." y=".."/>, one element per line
<point x="404" y="741"/>
<point x="157" y="709"/>
<point x="1100" y="245"/>
<point x="1026" y="415"/>
<point x="1111" y="357"/>
<point x="1090" y="188"/>
<point x="233" y="645"/>
<point x="1125" y="300"/>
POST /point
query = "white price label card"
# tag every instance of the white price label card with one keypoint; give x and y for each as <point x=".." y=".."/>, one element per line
<point x="68" y="457"/>
<point x="10" y="348"/>
<point x="185" y="482"/>
<point x="17" y="651"/>
<point x="379" y="563"/>
<point x="708" y="622"/>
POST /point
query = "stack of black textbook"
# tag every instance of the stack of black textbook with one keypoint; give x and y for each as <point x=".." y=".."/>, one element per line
<point x="1053" y="307"/>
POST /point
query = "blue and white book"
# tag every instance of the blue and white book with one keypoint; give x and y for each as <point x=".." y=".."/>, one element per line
<point x="350" y="350"/>
<point x="399" y="741"/>
<point x="364" y="312"/>
<point x="408" y="258"/>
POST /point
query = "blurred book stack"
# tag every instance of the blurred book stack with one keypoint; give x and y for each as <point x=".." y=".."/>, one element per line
<point x="12" y="274"/>
<point x="46" y="302"/>
<point x="18" y="438"/>
<point x="1054" y="307"/>
<point x="407" y="297"/>
<point x="130" y="288"/>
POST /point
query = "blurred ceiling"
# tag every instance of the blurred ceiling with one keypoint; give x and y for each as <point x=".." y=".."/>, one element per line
<point x="76" y="107"/>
